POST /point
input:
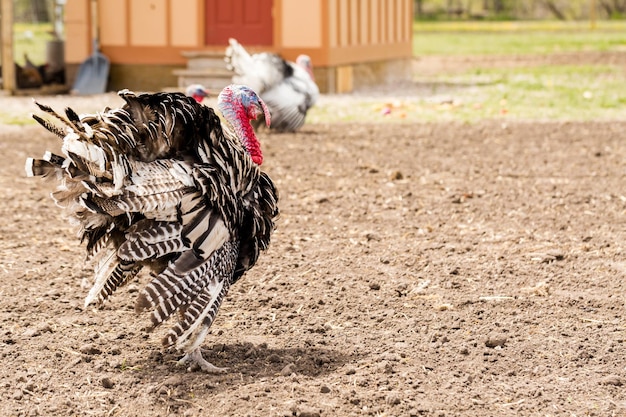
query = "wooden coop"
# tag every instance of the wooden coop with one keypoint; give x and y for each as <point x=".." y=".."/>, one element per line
<point x="158" y="44"/>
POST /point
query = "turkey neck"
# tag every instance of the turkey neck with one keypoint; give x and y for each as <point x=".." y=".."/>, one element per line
<point x="238" y="116"/>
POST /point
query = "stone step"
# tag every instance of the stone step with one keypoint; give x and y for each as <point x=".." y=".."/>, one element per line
<point x="204" y="59"/>
<point x="211" y="78"/>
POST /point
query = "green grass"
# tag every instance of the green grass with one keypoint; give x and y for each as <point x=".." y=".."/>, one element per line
<point x="31" y="39"/>
<point x="563" y="92"/>
<point x="542" y="93"/>
<point x="488" y="38"/>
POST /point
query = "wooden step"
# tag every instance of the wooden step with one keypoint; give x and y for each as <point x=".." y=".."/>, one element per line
<point x="211" y="78"/>
<point x="204" y="59"/>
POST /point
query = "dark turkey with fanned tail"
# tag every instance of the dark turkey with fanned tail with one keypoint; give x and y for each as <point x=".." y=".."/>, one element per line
<point x="163" y="183"/>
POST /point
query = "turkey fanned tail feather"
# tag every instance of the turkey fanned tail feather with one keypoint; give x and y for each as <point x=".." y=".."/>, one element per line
<point x="158" y="183"/>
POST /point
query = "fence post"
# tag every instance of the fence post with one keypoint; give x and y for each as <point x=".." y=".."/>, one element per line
<point x="8" y="67"/>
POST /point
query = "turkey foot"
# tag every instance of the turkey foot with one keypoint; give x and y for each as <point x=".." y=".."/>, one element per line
<point x="195" y="356"/>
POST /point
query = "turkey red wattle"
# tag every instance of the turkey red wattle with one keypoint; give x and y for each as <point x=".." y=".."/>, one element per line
<point x="240" y="104"/>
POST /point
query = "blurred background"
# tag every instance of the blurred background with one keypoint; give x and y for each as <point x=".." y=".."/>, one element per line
<point x="402" y="59"/>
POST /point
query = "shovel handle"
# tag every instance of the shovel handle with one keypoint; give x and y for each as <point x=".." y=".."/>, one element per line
<point x="95" y="27"/>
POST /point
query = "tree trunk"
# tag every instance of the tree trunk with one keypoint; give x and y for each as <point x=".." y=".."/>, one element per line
<point x="554" y="9"/>
<point x="607" y="8"/>
<point x="417" y="5"/>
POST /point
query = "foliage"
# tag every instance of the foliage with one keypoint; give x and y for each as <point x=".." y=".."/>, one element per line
<point x="33" y="11"/>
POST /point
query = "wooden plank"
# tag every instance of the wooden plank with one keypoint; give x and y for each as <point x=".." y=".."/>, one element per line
<point x="8" y="67"/>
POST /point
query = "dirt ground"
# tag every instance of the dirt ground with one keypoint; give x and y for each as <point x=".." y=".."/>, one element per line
<point x="417" y="270"/>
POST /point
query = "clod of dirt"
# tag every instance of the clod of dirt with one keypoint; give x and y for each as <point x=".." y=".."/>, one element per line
<point x="274" y="358"/>
<point x="289" y="369"/>
<point x="173" y="381"/>
<point x="37" y="331"/>
<point x="107" y="383"/>
<point x="89" y="349"/>
<point x="306" y="412"/>
<point x="495" y="341"/>
<point x="612" y="380"/>
<point x="392" y="399"/>
<point x="31" y="332"/>
<point x="396" y="175"/>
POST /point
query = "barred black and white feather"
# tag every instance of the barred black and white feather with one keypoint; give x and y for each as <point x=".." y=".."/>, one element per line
<point x="161" y="183"/>
<point x="287" y="88"/>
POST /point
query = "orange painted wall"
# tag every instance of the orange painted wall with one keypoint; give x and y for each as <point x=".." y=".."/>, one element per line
<point x="333" y="32"/>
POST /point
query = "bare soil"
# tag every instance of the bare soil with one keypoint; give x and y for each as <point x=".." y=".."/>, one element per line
<point x="417" y="270"/>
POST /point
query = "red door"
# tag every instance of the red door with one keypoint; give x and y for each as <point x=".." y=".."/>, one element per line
<point x="248" y="21"/>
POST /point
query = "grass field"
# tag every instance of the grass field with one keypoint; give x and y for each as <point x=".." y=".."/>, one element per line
<point x="477" y="38"/>
<point x="567" y="91"/>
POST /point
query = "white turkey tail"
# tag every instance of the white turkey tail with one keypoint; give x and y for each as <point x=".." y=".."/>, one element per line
<point x="237" y="58"/>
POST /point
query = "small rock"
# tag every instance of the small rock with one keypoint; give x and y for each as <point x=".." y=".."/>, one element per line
<point x="250" y="352"/>
<point x="307" y="412"/>
<point x="89" y="349"/>
<point x="18" y="394"/>
<point x="393" y="399"/>
<point x="495" y="341"/>
<point x="107" y="383"/>
<point x="274" y="358"/>
<point x="31" y="332"/>
<point x="324" y="389"/>
<point x="612" y="380"/>
<point x="374" y="286"/>
<point x="396" y="175"/>
<point x="289" y="369"/>
<point x="173" y="381"/>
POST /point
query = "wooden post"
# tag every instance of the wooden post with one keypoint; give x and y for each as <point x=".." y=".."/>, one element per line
<point x="592" y="14"/>
<point x="8" y="66"/>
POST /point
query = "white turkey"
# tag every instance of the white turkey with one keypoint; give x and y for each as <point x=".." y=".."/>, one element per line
<point x="288" y="88"/>
<point x="162" y="183"/>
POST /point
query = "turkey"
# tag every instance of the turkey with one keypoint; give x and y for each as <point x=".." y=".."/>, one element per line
<point x="288" y="88"/>
<point x="197" y="91"/>
<point x="162" y="183"/>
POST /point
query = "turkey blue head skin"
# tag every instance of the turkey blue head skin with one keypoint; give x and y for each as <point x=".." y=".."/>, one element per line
<point x="241" y="103"/>
<point x="197" y="91"/>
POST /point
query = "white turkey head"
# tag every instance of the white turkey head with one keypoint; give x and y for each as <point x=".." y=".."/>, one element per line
<point x="305" y="62"/>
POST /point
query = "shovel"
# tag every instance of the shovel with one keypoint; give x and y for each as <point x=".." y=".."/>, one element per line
<point x="94" y="71"/>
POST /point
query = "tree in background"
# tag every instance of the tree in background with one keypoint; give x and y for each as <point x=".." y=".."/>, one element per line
<point x="34" y="11"/>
